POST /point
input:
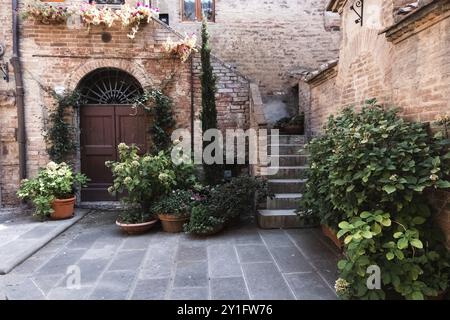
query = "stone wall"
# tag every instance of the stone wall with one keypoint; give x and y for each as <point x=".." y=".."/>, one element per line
<point x="268" y="41"/>
<point x="56" y="56"/>
<point x="403" y="62"/>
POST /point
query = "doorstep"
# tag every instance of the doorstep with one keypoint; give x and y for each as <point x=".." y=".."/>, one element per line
<point x="28" y="236"/>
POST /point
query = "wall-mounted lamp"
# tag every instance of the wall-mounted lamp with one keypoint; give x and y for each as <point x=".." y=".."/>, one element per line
<point x="358" y="8"/>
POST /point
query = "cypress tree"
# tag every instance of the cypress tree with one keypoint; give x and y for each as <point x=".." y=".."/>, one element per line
<point x="212" y="172"/>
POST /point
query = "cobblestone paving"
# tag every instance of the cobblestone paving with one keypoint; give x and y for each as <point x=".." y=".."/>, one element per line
<point x="243" y="262"/>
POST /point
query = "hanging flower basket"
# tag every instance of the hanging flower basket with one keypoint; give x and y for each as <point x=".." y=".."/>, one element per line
<point x="46" y="13"/>
<point x="183" y="48"/>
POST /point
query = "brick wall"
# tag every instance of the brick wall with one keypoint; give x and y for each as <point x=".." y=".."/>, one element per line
<point x="9" y="173"/>
<point x="58" y="56"/>
<point x="267" y="40"/>
<point x="408" y="66"/>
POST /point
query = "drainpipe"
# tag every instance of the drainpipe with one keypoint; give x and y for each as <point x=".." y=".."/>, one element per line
<point x="15" y="61"/>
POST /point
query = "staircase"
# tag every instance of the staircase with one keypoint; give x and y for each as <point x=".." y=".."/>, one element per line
<point x="286" y="182"/>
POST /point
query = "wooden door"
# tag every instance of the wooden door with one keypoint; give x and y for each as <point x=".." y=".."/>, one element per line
<point x="103" y="127"/>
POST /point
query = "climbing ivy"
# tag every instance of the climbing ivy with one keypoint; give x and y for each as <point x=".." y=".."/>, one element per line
<point x="59" y="133"/>
<point x="160" y="107"/>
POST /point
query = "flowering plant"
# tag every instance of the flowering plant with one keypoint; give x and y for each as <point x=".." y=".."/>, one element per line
<point x="143" y="178"/>
<point x="94" y="16"/>
<point x="133" y="17"/>
<point x="182" y="48"/>
<point x="46" y="13"/>
<point x="55" y="181"/>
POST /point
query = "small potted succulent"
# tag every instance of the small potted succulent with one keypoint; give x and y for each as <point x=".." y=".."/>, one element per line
<point x="174" y="209"/>
<point x="53" y="190"/>
<point x="202" y="222"/>
<point x="294" y="125"/>
<point x="141" y="180"/>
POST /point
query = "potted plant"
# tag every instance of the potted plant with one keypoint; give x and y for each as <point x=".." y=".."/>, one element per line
<point x="174" y="209"/>
<point x="239" y="195"/>
<point x="53" y="190"/>
<point x="181" y="49"/>
<point x="202" y="222"/>
<point x="141" y="180"/>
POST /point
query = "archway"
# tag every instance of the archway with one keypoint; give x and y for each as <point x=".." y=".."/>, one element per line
<point x="107" y="118"/>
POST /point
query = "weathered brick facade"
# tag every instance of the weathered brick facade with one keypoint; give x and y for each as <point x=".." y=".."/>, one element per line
<point x="403" y="61"/>
<point x="55" y="56"/>
<point x="268" y="41"/>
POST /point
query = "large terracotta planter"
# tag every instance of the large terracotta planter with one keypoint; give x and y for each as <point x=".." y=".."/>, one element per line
<point x="63" y="208"/>
<point x="136" y="228"/>
<point x="173" y="223"/>
<point x="329" y="233"/>
<point x="215" y="230"/>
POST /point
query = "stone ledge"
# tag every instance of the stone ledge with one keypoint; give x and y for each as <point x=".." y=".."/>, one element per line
<point x="15" y="252"/>
<point x="418" y="20"/>
<point x="325" y="72"/>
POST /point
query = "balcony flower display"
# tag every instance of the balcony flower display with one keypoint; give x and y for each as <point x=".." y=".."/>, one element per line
<point x="182" y="48"/>
<point x="132" y="17"/>
<point x="91" y="15"/>
<point x="46" y="13"/>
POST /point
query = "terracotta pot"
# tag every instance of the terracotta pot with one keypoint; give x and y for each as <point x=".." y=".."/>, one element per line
<point x="136" y="228"/>
<point x="63" y="208"/>
<point x="173" y="223"/>
<point x="329" y="233"/>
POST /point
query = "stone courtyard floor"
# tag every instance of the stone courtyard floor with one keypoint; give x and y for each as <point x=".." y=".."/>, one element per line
<point x="244" y="262"/>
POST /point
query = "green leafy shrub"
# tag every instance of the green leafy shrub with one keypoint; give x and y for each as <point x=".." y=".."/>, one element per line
<point x="55" y="181"/>
<point x="236" y="197"/>
<point x="59" y="134"/>
<point x="368" y="175"/>
<point x="143" y="178"/>
<point x="202" y="222"/>
<point x="177" y="202"/>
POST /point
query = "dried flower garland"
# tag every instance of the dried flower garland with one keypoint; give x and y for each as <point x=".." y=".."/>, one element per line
<point x="91" y="15"/>
<point x="182" y="48"/>
<point x="46" y="13"/>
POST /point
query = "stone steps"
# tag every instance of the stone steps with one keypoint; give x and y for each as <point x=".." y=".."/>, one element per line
<point x="286" y="181"/>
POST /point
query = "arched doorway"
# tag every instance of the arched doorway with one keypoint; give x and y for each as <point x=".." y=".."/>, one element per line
<point x="107" y="119"/>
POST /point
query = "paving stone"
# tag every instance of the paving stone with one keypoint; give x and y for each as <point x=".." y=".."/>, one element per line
<point x="289" y="259"/>
<point x="191" y="274"/>
<point x="136" y="242"/>
<point x="229" y="289"/>
<point x="313" y="248"/>
<point x="223" y="261"/>
<point x="327" y="269"/>
<point x="114" y="285"/>
<point x="46" y="282"/>
<point x="100" y="252"/>
<point x="37" y="232"/>
<point x="265" y="282"/>
<point x="309" y="286"/>
<point x="191" y="253"/>
<point x="275" y="238"/>
<point x="159" y="263"/>
<point x="127" y="260"/>
<point x="27" y="290"/>
<point x="246" y="236"/>
<point x="84" y="240"/>
<point x="64" y="293"/>
<point x="189" y="294"/>
<point x="59" y="263"/>
<point x="253" y="253"/>
<point x="91" y="270"/>
<point x="151" y="289"/>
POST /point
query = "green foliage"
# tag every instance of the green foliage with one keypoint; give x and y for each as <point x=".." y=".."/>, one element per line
<point x="133" y="216"/>
<point x="213" y="172"/>
<point x="298" y="120"/>
<point x="177" y="202"/>
<point x="143" y="178"/>
<point x="368" y="175"/>
<point x="55" y="181"/>
<point x="202" y="221"/>
<point x="59" y="134"/>
<point x="237" y="196"/>
<point x="160" y="106"/>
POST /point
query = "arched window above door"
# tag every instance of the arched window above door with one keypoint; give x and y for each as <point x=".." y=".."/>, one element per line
<point x="109" y="86"/>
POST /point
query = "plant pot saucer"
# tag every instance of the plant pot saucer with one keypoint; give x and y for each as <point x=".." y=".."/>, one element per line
<point x="136" y="228"/>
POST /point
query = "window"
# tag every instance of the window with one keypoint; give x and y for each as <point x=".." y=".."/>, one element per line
<point x="193" y="10"/>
